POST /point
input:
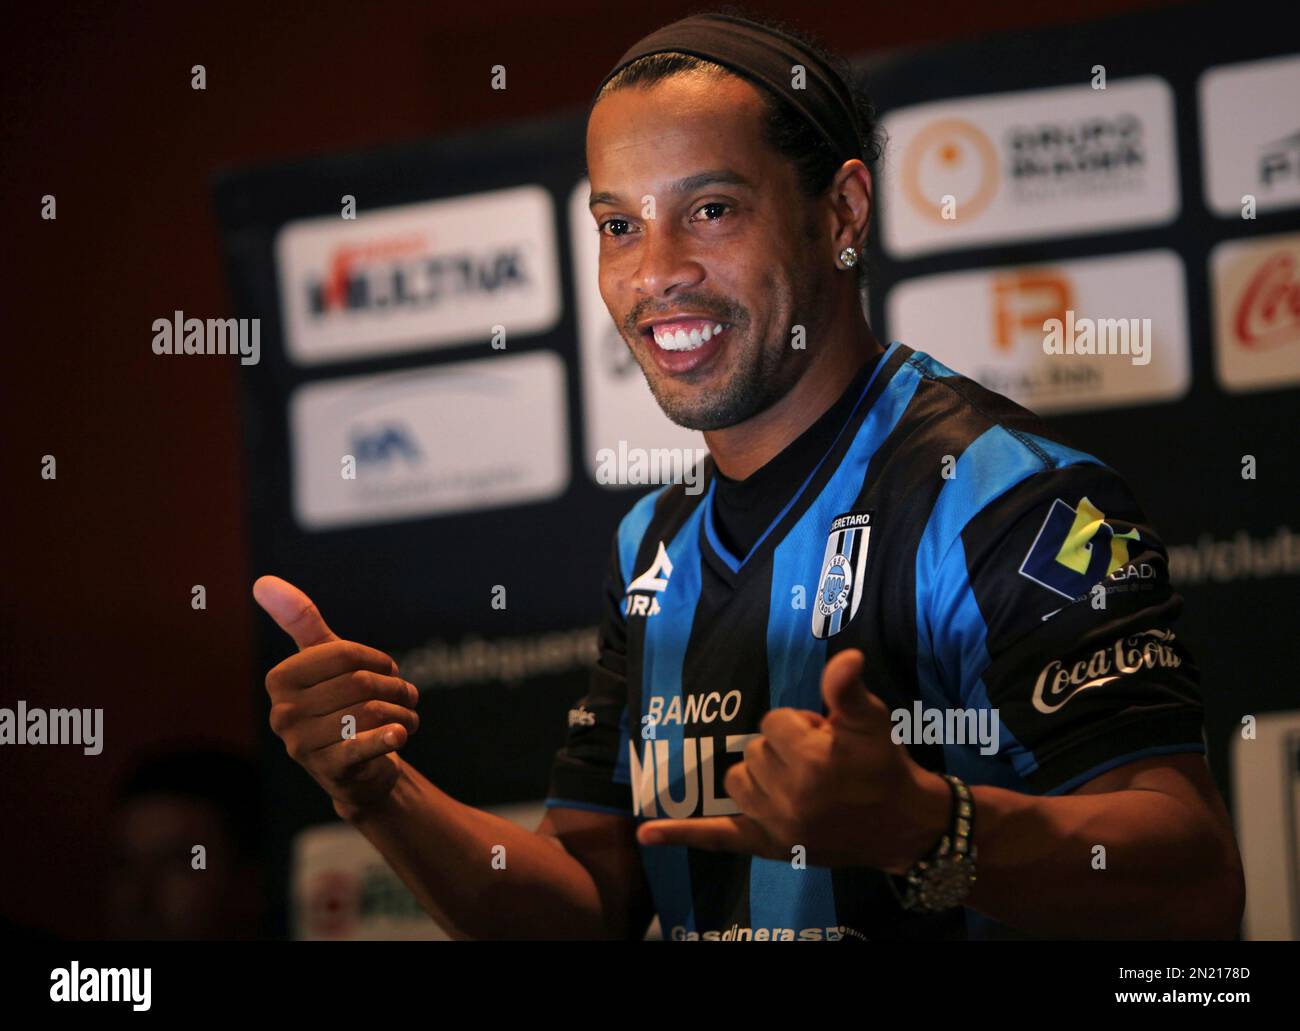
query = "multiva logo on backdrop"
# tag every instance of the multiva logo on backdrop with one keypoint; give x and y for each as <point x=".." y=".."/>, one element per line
<point x="1029" y="165"/>
<point x="418" y="276"/>
<point x="1257" y="312"/>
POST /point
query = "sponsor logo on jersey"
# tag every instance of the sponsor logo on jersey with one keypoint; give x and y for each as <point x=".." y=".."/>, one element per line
<point x="839" y="588"/>
<point x="1075" y="548"/>
<point x="582" y="717"/>
<point x="642" y="595"/>
<point x="759" y="934"/>
<point x="1058" y="682"/>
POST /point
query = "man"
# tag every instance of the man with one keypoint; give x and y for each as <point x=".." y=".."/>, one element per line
<point x="881" y="540"/>
<point x="170" y="802"/>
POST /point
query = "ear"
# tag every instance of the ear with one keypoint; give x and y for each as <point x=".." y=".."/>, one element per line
<point x="850" y="194"/>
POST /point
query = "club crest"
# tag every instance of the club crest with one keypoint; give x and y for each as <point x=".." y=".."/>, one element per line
<point x="839" y="589"/>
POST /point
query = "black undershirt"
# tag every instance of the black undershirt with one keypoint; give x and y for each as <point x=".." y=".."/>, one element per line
<point x="743" y="509"/>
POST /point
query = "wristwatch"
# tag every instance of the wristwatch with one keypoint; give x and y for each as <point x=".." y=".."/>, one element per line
<point x="943" y="878"/>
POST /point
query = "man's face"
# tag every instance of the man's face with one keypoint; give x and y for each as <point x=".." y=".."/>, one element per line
<point x="702" y="224"/>
<point x="153" y="890"/>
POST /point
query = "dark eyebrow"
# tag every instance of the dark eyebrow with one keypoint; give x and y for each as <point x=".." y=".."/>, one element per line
<point x="724" y="176"/>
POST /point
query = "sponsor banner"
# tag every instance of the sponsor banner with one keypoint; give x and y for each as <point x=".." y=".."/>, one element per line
<point x="1250" y="135"/>
<point x="1256" y="289"/>
<point x="1266" y="812"/>
<point x="1244" y="555"/>
<point x="448" y="438"/>
<point x="1029" y="165"/>
<point x="618" y="409"/>
<point x="989" y="324"/>
<point x="419" y="276"/>
<point x="343" y="890"/>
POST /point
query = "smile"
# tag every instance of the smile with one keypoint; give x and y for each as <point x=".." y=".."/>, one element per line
<point x="687" y="335"/>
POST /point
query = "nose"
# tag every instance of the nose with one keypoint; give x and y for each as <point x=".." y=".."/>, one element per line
<point x="664" y="262"/>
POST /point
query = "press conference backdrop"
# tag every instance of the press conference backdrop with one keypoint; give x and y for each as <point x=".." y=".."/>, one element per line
<point x="450" y="340"/>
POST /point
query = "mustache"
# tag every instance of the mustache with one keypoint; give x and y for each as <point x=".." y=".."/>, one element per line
<point x="719" y="311"/>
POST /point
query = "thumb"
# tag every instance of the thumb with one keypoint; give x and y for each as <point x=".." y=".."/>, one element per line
<point x="848" y="702"/>
<point x="293" y="611"/>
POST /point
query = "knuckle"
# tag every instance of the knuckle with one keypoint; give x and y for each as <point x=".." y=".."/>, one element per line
<point x="293" y="746"/>
<point x="359" y="680"/>
<point x="802" y="789"/>
<point x="281" y="717"/>
<point x="334" y="762"/>
<point x="275" y="679"/>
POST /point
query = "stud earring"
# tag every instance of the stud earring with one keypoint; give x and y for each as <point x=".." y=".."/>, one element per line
<point x="848" y="257"/>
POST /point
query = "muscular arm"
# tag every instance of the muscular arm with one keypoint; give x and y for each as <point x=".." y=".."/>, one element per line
<point x="1080" y="675"/>
<point x="1172" y="869"/>
<point x="578" y="875"/>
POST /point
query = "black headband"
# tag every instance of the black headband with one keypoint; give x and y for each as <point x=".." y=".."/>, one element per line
<point x="767" y="57"/>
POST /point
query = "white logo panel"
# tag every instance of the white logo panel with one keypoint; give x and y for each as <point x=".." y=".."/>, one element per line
<point x="447" y="438"/>
<point x="1029" y="165"/>
<point x="988" y="324"/>
<point x="1256" y="289"/>
<point x="418" y="276"/>
<point x="1250" y="134"/>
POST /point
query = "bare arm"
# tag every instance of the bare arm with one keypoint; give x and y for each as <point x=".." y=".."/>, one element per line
<point x="578" y="875"/>
<point x="343" y="712"/>
<point x="1172" y="865"/>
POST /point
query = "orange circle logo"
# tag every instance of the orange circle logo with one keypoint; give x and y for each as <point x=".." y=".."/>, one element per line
<point x="950" y="157"/>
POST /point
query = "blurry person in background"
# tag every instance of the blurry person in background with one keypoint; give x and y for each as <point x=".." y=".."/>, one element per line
<point x="158" y="889"/>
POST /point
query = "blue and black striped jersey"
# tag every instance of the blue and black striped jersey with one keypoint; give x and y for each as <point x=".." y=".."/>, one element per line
<point x="985" y="569"/>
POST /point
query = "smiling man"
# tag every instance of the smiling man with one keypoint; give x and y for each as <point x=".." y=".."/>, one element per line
<point x="907" y="668"/>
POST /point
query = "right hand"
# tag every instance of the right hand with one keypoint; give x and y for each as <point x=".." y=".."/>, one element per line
<point x="328" y="679"/>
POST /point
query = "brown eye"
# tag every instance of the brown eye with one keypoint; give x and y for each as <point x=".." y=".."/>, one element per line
<point x="714" y="210"/>
<point x="622" y="222"/>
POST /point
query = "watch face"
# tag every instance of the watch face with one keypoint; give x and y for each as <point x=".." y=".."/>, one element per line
<point x="947" y="882"/>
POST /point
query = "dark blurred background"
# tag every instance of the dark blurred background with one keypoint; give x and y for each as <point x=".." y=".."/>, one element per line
<point x="150" y="496"/>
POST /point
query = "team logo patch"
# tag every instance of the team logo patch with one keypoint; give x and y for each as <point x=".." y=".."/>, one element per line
<point x="839" y="588"/>
<point x="1075" y="548"/>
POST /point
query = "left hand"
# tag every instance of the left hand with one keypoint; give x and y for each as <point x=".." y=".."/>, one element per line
<point x="835" y="784"/>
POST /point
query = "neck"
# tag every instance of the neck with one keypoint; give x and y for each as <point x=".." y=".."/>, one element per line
<point x="741" y="450"/>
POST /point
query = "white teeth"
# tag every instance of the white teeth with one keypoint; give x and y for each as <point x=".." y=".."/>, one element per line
<point x="680" y="340"/>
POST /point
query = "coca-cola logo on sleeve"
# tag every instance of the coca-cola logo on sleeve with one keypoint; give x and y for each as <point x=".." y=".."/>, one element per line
<point x="1059" y="682"/>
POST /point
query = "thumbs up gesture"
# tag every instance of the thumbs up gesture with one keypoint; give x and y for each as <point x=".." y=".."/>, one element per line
<point x="314" y="692"/>
<point x="837" y="785"/>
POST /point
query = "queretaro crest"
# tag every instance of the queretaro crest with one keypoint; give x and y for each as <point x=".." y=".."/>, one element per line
<point x="839" y="590"/>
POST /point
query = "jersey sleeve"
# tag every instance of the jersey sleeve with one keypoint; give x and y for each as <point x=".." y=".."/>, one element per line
<point x="1053" y="607"/>
<point x="591" y="769"/>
